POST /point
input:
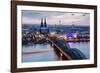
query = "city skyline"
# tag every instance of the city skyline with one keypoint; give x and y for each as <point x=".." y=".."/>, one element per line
<point x="66" y="18"/>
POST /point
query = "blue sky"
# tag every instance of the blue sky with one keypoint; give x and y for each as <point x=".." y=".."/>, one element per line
<point x="66" y="18"/>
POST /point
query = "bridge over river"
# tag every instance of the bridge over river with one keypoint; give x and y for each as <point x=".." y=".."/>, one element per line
<point x="64" y="51"/>
<point x="61" y="48"/>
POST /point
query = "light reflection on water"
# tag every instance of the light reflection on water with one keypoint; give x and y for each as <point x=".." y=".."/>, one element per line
<point x="50" y="55"/>
<point x="41" y="56"/>
<point x="84" y="47"/>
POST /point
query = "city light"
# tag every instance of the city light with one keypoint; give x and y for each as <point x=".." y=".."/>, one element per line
<point x="69" y="35"/>
<point x="52" y="33"/>
<point x="75" y="35"/>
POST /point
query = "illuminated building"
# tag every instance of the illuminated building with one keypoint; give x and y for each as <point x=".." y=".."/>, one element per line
<point x="43" y="27"/>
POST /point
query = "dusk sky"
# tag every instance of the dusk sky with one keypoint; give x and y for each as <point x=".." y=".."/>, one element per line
<point x="66" y="18"/>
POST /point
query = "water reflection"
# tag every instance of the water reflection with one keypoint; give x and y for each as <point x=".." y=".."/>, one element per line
<point x="84" y="47"/>
<point x="47" y="53"/>
<point x="44" y="52"/>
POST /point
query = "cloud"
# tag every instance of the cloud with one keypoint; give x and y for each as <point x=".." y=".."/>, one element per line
<point x="27" y="20"/>
<point x="34" y="17"/>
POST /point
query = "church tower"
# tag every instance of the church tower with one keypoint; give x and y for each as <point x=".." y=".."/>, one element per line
<point x="43" y="27"/>
<point x="45" y="24"/>
<point x="41" y="22"/>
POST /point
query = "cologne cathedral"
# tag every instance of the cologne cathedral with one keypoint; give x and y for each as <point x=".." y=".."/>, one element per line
<point x="43" y="27"/>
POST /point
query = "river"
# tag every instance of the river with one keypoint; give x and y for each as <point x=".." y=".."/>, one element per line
<point x="44" y="52"/>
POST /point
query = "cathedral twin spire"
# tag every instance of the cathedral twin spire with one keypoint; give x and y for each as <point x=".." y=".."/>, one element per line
<point x="43" y="23"/>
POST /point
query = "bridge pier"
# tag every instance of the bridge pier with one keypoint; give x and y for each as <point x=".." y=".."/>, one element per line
<point x="59" y="53"/>
<point x="52" y="45"/>
<point x="62" y="54"/>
